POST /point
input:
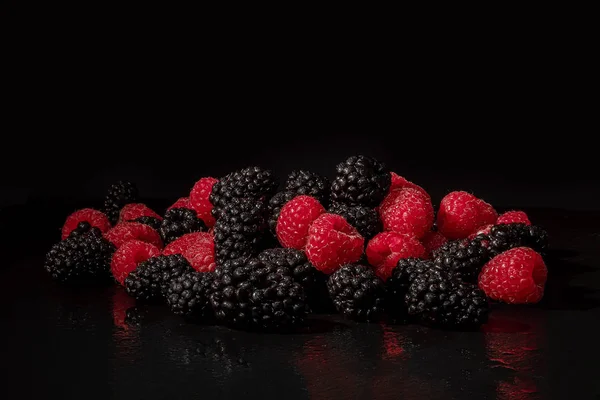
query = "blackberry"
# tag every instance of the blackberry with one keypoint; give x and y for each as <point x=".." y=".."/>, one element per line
<point x="251" y="182"/>
<point x="397" y="285"/>
<point x="150" y="280"/>
<point x="81" y="257"/>
<point x="274" y="207"/>
<point x="179" y="221"/>
<point x="507" y="236"/>
<point x="188" y="294"/>
<point x="437" y="299"/>
<point x="464" y="258"/>
<point x="238" y="232"/>
<point x="308" y="183"/>
<point x="357" y="292"/>
<point x="118" y="195"/>
<point x="82" y="228"/>
<point x="360" y="181"/>
<point x="364" y="219"/>
<point x="152" y="222"/>
<point x="249" y="294"/>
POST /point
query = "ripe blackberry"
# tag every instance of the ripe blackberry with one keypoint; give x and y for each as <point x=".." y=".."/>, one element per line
<point x="357" y="292"/>
<point x="80" y="258"/>
<point x="274" y="207"/>
<point x="437" y="299"/>
<point x="238" y="232"/>
<point x="150" y="280"/>
<point x="464" y="258"/>
<point x="397" y="285"/>
<point x="188" y="294"/>
<point x="249" y="294"/>
<point x="364" y="219"/>
<point x="82" y="228"/>
<point x="118" y="195"/>
<point x="360" y="180"/>
<point x="308" y="183"/>
<point x="179" y="221"/>
<point x="507" y="236"/>
<point x="152" y="222"/>
<point x="251" y="182"/>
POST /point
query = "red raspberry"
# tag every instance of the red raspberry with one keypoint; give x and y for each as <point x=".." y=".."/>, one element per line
<point x="517" y="276"/>
<point x="93" y="217"/>
<point x="482" y="230"/>
<point x="126" y="231"/>
<point x="198" y="248"/>
<point x="199" y="199"/>
<point x="513" y="217"/>
<point x="333" y="242"/>
<point x="400" y="182"/>
<point x="386" y="248"/>
<point x="433" y="241"/>
<point x="128" y="256"/>
<point x="295" y="219"/>
<point x="131" y="211"/>
<point x="407" y="211"/>
<point x="182" y="202"/>
<point x="461" y="213"/>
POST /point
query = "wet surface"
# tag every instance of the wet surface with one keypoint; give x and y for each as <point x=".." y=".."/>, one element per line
<point x="96" y="342"/>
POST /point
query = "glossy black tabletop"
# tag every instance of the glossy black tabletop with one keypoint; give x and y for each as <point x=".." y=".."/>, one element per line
<point x="96" y="343"/>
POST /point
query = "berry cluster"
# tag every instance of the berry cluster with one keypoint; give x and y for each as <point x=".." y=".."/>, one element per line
<point x="366" y="243"/>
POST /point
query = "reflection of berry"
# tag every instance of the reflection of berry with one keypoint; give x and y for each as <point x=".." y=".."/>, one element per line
<point x="126" y="231"/>
<point x="295" y="219"/>
<point x="385" y="249"/>
<point x="513" y="217"/>
<point x="360" y="180"/>
<point x="128" y="256"/>
<point x="121" y="302"/>
<point x="200" y="202"/>
<point x="89" y="215"/>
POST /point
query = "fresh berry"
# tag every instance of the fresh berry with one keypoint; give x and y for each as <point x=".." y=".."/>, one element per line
<point x="82" y="228"/>
<point x="238" y="231"/>
<point x="150" y="279"/>
<point x="436" y="298"/>
<point x="189" y="294"/>
<point x="513" y="217"/>
<point x="93" y="217"/>
<point x="400" y="182"/>
<point x="81" y="257"/>
<point x="333" y="242"/>
<point x="295" y="219"/>
<point x="198" y="249"/>
<point x="357" y="292"/>
<point x="482" y="230"/>
<point x="408" y="212"/>
<point x="249" y="294"/>
<point x="399" y="282"/>
<point x="507" y="236"/>
<point x="152" y="222"/>
<point x="461" y="213"/>
<point x="274" y="208"/>
<point x="199" y="199"/>
<point x="182" y="202"/>
<point x="365" y="219"/>
<point x="433" y="241"/>
<point x="301" y="182"/>
<point x="118" y="195"/>
<point x="252" y="182"/>
<point x="517" y="276"/>
<point x="360" y="181"/>
<point x="128" y="256"/>
<point x="179" y="221"/>
<point x="132" y="211"/>
<point x="126" y="231"/>
<point x="387" y="248"/>
<point x="463" y="257"/>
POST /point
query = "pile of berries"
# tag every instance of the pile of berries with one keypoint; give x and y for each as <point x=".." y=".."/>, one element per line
<point x="239" y="252"/>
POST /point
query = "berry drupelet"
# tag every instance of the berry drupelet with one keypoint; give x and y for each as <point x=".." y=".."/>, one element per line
<point x="118" y="195"/>
<point x="360" y="180"/>
<point x="308" y="183"/>
<point x="364" y="219"/>
<point x="179" y="221"/>
<point x="507" y="236"/>
<point x="150" y="280"/>
<point x="464" y="258"/>
<point x="188" y="294"/>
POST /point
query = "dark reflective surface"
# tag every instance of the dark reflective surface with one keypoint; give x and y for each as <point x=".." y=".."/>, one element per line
<point x="95" y="342"/>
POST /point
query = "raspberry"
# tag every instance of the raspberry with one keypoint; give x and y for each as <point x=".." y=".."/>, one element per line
<point x="400" y="182"/>
<point x="132" y="211"/>
<point x="182" y="202"/>
<point x="482" y="230"/>
<point x="407" y="211"/>
<point x="517" y="276"/>
<point x="433" y="241"/>
<point x="197" y="248"/>
<point x="128" y="256"/>
<point x="199" y="200"/>
<point x="126" y="231"/>
<point x="387" y="248"/>
<point x="333" y="242"/>
<point x="513" y="217"/>
<point x="295" y="219"/>
<point x="93" y="217"/>
<point x="461" y="213"/>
